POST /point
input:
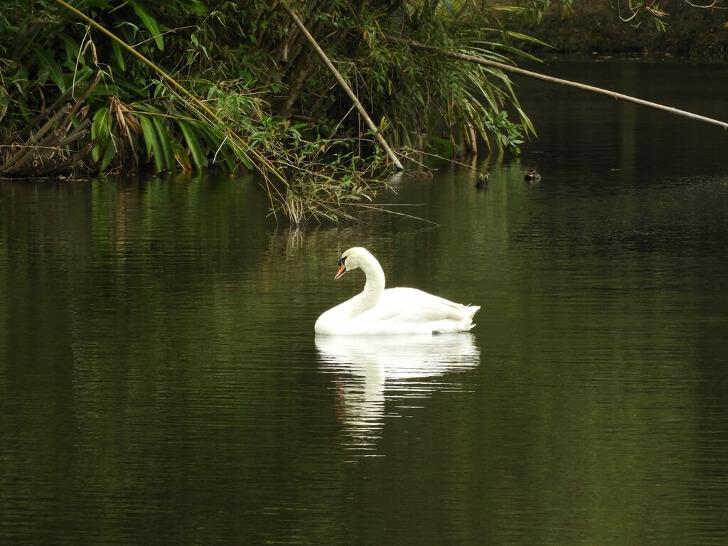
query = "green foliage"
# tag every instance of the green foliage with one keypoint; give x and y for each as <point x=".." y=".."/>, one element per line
<point x="276" y="107"/>
<point x="150" y="23"/>
<point x="101" y="132"/>
<point x="414" y="97"/>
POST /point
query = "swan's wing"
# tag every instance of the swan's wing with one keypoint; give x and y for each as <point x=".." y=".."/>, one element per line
<point x="412" y="305"/>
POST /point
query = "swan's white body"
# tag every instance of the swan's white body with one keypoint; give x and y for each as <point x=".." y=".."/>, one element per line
<point x="377" y="311"/>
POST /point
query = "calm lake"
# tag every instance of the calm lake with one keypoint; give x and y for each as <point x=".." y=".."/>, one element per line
<point x="160" y="381"/>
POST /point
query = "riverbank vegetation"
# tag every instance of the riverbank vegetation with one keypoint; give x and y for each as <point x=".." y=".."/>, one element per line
<point x="99" y="86"/>
<point x="236" y="85"/>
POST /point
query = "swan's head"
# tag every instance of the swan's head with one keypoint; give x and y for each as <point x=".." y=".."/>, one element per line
<point x="351" y="259"/>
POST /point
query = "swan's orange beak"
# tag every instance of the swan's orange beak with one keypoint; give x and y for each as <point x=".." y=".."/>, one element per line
<point x="340" y="272"/>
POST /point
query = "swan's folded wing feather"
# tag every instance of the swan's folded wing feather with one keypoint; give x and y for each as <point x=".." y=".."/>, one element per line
<point x="412" y="305"/>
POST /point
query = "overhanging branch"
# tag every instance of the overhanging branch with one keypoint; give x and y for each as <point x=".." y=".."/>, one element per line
<point x="559" y="81"/>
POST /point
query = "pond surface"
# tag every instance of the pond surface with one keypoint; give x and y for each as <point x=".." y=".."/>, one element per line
<point x="160" y="382"/>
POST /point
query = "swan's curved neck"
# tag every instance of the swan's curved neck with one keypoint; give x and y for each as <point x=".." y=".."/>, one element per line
<point x="375" y="277"/>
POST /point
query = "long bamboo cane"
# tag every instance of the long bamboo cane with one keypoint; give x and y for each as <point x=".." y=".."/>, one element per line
<point x="584" y="87"/>
<point x="343" y="84"/>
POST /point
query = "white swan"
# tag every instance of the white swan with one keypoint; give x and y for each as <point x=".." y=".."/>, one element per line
<point x="391" y="311"/>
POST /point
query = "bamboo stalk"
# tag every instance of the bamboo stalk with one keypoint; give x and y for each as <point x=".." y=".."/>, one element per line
<point x="559" y="81"/>
<point x="80" y="131"/>
<point x="344" y="85"/>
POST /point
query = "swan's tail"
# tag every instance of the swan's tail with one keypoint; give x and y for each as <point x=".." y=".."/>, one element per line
<point x="470" y="310"/>
<point x="468" y="314"/>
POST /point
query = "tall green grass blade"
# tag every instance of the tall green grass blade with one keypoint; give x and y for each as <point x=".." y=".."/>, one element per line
<point x="71" y="50"/>
<point x="193" y="143"/>
<point x="118" y="56"/>
<point x="109" y="155"/>
<point x="151" y="24"/>
<point x="53" y="69"/>
<point x="100" y="128"/>
<point x="151" y="142"/>
<point x="165" y="144"/>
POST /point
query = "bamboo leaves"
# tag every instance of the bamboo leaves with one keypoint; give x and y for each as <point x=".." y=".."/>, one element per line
<point x="100" y="132"/>
<point x="118" y="56"/>
<point x="51" y="67"/>
<point x="236" y="86"/>
<point x="109" y="155"/>
<point x="193" y="144"/>
<point x="153" y="134"/>
<point x="166" y="145"/>
<point x="150" y="23"/>
<point x="150" y="136"/>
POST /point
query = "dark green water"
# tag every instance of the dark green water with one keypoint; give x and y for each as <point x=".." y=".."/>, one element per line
<point x="160" y="382"/>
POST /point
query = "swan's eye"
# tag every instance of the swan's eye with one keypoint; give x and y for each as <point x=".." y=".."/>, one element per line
<point x="342" y="260"/>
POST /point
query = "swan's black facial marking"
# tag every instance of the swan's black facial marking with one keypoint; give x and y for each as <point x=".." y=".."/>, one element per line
<point x="342" y="268"/>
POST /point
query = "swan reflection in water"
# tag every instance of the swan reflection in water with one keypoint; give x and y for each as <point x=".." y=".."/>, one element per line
<point x="371" y="370"/>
